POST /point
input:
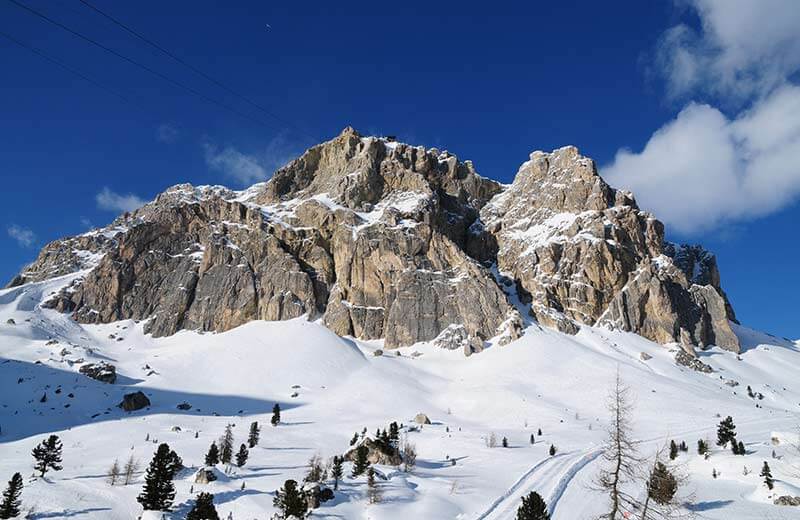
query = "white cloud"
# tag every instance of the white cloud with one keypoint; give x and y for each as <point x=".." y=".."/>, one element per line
<point x="704" y="169"/>
<point x="744" y="47"/>
<point x="112" y="201"/>
<point x="167" y="133"/>
<point x="24" y="236"/>
<point x="250" y="168"/>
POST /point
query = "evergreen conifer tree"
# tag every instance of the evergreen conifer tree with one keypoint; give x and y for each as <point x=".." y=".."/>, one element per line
<point x="742" y="451"/>
<point x="533" y="439"/>
<point x="203" y="508"/>
<point x="726" y="431"/>
<point x="9" y="507"/>
<point x="276" y="415"/>
<point x="767" y="474"/>
<point x="48" y="455"/>
<point x="252" y="438"/>
<point x="174" y="464"/>
<point x="241" y="455"/>
<point x="158" y="492"/>
<point x="361" y="463"/>
<point x="533" y="508"/>
<point x="662" y="485"/>
<point x="290" y="500"/>
<point x="673" y="450"/>
<point x="226" y="445"/>
<point x="552" y="450"/>
<point x="336" y="471"/>
<point x="505" y="442"/>
<point x="212" y="457"/>
<point x="702" y="447"/>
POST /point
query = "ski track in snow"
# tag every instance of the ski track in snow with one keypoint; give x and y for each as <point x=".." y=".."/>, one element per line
<point x="560" y="468"/>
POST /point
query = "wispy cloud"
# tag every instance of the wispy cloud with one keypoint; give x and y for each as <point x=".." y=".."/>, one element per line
<point x="705" y="169"/>
<point x="112" y="201"/>
<point x="24" y="236"/>
<point x="248" y="168"/>
<point x="167" y="133"/>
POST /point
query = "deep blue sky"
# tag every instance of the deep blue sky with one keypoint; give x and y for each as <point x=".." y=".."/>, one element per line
<point x="488" y="82"/>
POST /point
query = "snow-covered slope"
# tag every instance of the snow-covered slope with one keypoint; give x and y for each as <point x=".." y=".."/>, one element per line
<point x="330" y="387"/>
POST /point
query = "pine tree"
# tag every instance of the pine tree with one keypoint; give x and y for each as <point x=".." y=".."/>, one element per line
<point x="241" y="456"/>
<point x="394" y="434"/>
<point x="539" y="432"/>
<point x="203" y="508"/>
<point x="533" y="439"/>
<point x="663" y="485"/>
<point x="9" y="507"/>
<point x="158" y="492"/>
<point x="252" y="438"/>
<point x="505" y="442"/>
<point x="48" y="455"/>
<point x="114" y="472"/>
<point x="702" y="447"/>
<point x="290" y="500"/>
<point x="276" y="415"/>
<point x="726" y="431"/>
<point x="742" y="451"/>
<point x="767" y="474"/>
<point x="533" y="508"/>
<point x="174" y="464"/>
<point x="673" y="450"/>
<point x="552" y="450"/>
<point x="361" y="463"/>
<point x="336" y="471"/>
<point x="226" y="445"/>
<point x="212" y="457"/>
<point x="354" y="440"/>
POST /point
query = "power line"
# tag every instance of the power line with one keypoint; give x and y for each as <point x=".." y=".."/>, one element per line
<point x="154" y="72"/>
<point x="190" y="66"/>
<point x="63" y="65"/>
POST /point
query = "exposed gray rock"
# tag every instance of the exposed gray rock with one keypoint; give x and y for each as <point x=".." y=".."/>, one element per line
<point x="134" y="401"/>
<point x="10" y="321"/>
<point x="421" y="418"/>
<point x="385" y="240"/>
<point x="204" y="476"/>
<point x="102" y="371"/>
<point x="583" y="253"/>
<point x="787" y="500"/>
<point x="376" y="454"/>
<point x="683" y="358"/>
<point x="644" y="356"/>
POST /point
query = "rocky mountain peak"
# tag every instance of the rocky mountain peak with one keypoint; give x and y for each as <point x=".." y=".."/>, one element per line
<point x="382" y="239"/>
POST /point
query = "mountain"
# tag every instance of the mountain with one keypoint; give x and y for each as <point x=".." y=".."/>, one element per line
<point x="360" y="246"/>
<point x="386" y="240"/>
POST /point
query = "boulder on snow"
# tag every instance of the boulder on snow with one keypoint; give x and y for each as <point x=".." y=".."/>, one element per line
<point x="421" y="418"/>
<point x="644" y="356"/>
<point x="11" y="321"/>
<point x="787" y="500"/>
<point x="134" y="401"/>
<point x="184" y="406"/>
<point x="103" y="372"/>
<point x="683" y="358"/>
<point x="377" y="453"/>
<point x="204" y="476"/>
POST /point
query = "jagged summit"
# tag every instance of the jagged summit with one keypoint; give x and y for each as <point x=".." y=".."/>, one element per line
<point x="386" y="240"/>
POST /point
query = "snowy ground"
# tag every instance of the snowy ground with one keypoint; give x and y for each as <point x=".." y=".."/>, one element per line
<point x="545" y="380"/>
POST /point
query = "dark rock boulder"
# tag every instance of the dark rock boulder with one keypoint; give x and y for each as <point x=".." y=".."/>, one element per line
<point x="134" y="401"/>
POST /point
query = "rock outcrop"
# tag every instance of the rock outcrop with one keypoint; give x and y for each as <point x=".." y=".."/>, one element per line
<point x="582" y="252"/>
<point x="103" y="372"/>
<point x="385" y="240"/>
<point x="134" y="401"/>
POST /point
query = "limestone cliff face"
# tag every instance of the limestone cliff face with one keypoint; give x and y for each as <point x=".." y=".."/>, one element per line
<point x="384" y="240"/>
<point x="584" y="253"/>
